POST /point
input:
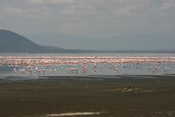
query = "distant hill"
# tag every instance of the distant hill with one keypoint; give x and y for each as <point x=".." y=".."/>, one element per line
<point x="12" y="42"/>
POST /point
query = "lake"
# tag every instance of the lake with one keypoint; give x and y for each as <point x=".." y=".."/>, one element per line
<point x="89" y="69"/>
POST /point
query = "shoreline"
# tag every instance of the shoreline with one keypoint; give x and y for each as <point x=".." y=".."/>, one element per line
<point x="87" y="77"/>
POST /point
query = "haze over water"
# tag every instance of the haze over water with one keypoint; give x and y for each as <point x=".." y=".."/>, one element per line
<point x="92" y="54"/>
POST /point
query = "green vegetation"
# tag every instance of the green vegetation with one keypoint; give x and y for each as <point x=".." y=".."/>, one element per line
<point x="115" y="98"/>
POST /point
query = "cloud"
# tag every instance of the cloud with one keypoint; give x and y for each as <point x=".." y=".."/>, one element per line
<point x="95" y="19"/>
<point x="51" y="1"/>
<point x="167" y="4"/>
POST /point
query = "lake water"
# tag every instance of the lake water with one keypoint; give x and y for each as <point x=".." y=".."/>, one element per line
<point x="101" y="69"/>
<point x="91" y="54"/>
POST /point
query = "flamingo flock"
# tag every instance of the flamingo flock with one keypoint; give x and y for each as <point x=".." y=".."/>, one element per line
<point x="42" y="64"/>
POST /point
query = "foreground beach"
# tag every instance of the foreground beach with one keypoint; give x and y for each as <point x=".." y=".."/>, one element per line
<point x="127" y="96"/>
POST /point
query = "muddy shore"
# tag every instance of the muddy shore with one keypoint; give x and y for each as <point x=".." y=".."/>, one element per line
<point x="124" y="96"/>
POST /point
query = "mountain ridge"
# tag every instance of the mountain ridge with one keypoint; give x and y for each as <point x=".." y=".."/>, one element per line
<point x="11" y="42"/>
<point x="14" y="42"/>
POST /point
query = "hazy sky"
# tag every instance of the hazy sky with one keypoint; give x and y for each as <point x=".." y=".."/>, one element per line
<point x="93" y="24"/>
